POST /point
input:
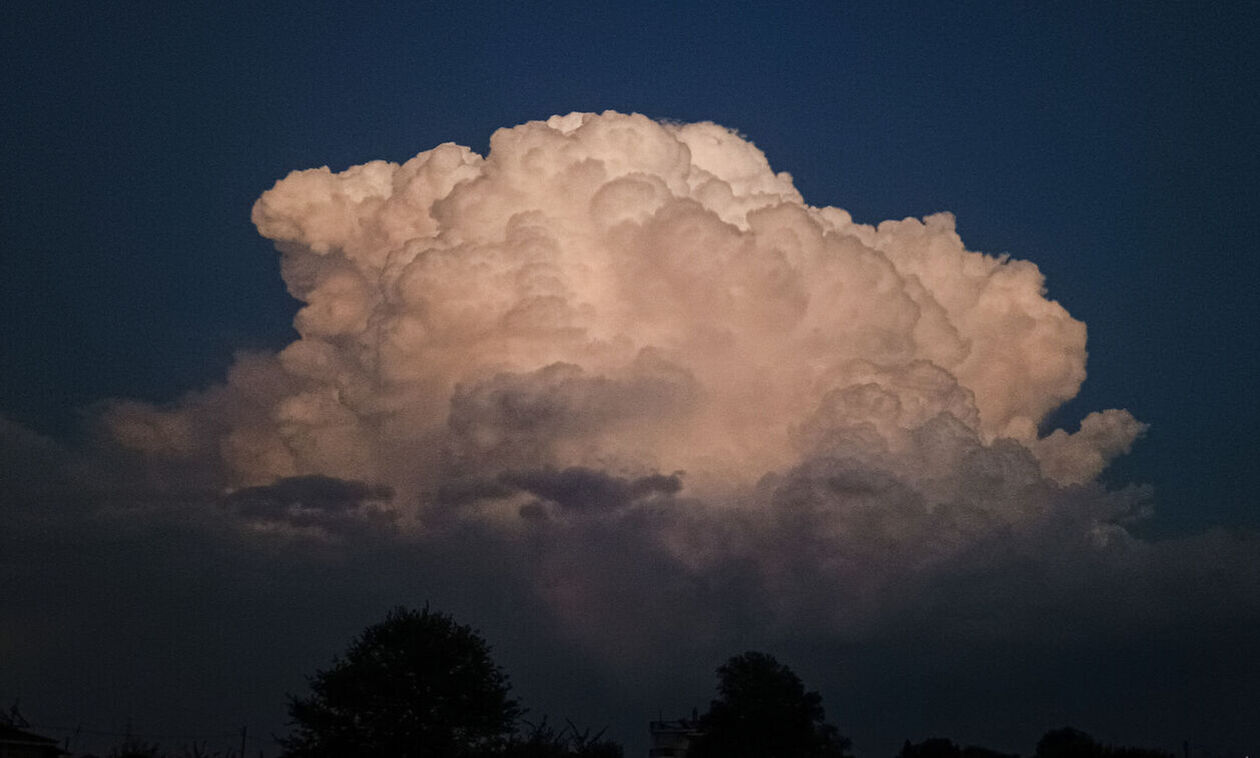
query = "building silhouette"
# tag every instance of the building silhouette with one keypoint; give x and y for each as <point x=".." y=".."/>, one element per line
<point x="18" y="743"/>
<point x="670" y="739"/>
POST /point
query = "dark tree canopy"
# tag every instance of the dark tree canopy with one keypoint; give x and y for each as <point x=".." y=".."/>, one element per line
<point x="1073" y="743"/>
<point x="763" y="711"/>
<point x="940" y="747"/>
<point x="416" y="685"/>
<point x="1068" y="743"/>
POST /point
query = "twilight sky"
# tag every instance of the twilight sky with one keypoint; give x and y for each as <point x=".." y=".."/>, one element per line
<point x="634" y="393"/>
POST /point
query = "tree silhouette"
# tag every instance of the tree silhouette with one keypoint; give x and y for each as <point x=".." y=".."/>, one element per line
<point x="940" y="747"/>
<point x="416" y="685"/>
<point x="1068" y="743"/>
<point x="1073" y="743"/>
<point x="936" y="747"/>
<point x="763" y="711"/>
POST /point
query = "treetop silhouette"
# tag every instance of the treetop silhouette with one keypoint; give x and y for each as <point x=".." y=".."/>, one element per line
<point x="764" y="711"/>
<point x="416" y="685"/>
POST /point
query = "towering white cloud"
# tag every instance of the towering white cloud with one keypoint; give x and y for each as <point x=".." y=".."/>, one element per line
<point x="608" y="291"/>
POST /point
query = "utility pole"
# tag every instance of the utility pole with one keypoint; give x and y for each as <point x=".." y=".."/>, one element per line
<point x="242" y="753"/>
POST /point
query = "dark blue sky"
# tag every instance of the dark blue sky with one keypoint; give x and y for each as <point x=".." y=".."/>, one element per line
<point x="1113" y="145"/>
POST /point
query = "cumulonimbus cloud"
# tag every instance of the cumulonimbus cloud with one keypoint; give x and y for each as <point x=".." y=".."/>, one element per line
<point x="610" y="325"/>
<point x="618" y="373"/>
<point x="614" y="292"/>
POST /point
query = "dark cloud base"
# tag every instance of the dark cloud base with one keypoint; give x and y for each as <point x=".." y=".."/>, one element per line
<point x="186" y="612"/>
